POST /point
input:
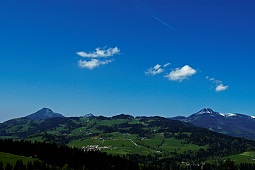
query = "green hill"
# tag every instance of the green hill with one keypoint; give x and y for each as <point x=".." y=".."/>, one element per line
<point x="12" y="159"/>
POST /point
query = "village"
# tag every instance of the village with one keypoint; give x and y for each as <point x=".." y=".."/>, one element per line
<point x="94" y="148"/>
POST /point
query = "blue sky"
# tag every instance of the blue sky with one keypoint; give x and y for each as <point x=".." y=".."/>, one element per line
<point x="135" y="57"/>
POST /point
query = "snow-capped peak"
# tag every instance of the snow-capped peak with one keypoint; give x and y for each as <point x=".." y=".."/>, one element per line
<point x="210" y="112"/>
<point x="205" y="111"/>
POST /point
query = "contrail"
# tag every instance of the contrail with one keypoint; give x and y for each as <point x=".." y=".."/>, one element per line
<point x="162" y="22"/>
<point x="154" y="15"/>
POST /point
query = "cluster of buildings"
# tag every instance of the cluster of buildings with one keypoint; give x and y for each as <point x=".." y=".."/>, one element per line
<point x="94" y="148"/>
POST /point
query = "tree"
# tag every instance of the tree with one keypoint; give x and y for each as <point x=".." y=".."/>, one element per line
<point x="8" y="166"/>
<point x="1" y="165"/>
<point x="19" y="165"/>
<point x="30" y="166"/>
<point x="66" y="167"/>
<point x="230" y="165"/>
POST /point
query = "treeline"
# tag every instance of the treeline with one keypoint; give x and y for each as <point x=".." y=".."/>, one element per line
<point x="152" y="163"/>
<point x="39" y="165"/>
<point x="59" y="156"/>
<point x="220" y="165"/>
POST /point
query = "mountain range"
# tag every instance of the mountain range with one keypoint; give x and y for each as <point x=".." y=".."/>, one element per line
<point x="233" y="124"/>
<point x="237" y="125"/>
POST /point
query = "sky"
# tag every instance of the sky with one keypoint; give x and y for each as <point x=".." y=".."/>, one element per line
<point x="137" y="57"/>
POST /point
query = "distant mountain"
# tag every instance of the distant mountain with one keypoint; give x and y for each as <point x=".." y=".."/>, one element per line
<point x="181" y="118"/>
<point x="238" y="125"/>
<point x="233" y="124"/>
<point x="90" y="115"/>
<point x="123" y="116"/>
<point x="44" y="113"/>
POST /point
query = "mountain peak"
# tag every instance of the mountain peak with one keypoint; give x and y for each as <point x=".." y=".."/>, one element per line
<point x="44" y="113"/>
<point x="90" y="115"/>
<point x="205" y="111"/>
<point x="46" y="110"/>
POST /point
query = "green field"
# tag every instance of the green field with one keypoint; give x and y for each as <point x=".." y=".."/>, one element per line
<point x="247" y="157"/>
<point x="57" y="130"/>
<point x="115" y="146"/>
<point x="36" y="138"/>
<point x="155" y="141"/>
<point x="6" y="157"/>
<point x="8" y="137"/>
<point x="118" y="143"/>
<point x="112" y="122"/>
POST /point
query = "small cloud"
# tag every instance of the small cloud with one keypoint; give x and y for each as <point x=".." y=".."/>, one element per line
<point x="218" y="83"/>
<point x="221" y="87"/>
<point x="179" y="74"/>
<point x="167" y="64"/>
<point x="93" y="63"/>
<point x="100" y="53"/>
<point x="94" y="57"/>
<point x="154" y="70"/>
<point x="156" y="67"/>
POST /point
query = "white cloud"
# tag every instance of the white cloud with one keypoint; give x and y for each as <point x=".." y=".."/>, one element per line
<point x="221" y="87"/>
<point x="157" y="69"/>
<point x="154" y="70"/>
<point x="93" y="63"/>
<point x="100" y="53"/>
<point x="218" y="83"/>
<point x="180" y="74"/>
<point x="167" y="64"/>
<point x="94" y="57"/>
<point x="157" y="66"/>
<point x="214" y="80"/>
